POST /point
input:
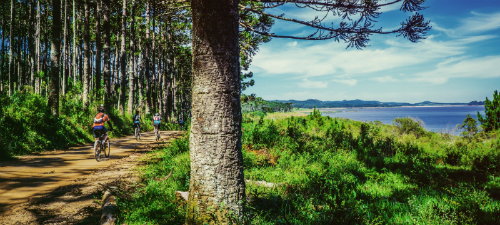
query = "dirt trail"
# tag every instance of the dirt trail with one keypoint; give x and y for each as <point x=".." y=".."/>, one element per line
<point x="29" y="178"/>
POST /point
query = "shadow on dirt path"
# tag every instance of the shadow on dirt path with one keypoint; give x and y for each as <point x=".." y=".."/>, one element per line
<point x="30" y="178"/>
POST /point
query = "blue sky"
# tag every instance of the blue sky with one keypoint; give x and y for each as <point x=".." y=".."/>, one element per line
<point x="458" y="62"/>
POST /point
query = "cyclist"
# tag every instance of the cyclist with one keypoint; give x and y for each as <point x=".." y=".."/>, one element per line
<point x="137" y="121"/>
<point x="157" y="121"/>
<point x="99" y="119"/>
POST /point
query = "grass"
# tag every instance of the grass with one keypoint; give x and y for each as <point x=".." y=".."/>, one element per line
<point x="339" y="171"/>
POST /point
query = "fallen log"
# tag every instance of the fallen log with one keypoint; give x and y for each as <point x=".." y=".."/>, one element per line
<point x="109" y="209"/>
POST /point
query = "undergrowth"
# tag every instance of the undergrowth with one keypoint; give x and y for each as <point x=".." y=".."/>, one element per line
<point x="27" y="126"/>
<point x="339" y="171"/>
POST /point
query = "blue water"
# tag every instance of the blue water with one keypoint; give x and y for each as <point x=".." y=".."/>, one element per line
<point x="437" y="119"/>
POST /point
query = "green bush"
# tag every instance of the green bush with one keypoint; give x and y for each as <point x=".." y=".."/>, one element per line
<point x="409" y="125"/>
<point x="341" y="172"/>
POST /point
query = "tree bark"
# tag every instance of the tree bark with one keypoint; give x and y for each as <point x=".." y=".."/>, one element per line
<point x="148" y="75"/>
<point x="123" y="59"/>
<point x="38" y="49"/>
<point x="131" y="75"/>
<point x="98" y="47"/>
<point x="11" y="47"/>
<point x="86" y="59"/>
<point x="65" y="47"/>
<point x="217" y="185"/>
<point x="31" y="42"/>
<point x="1" y="55"/>
<point x="74" y="63"/>
<point x="55" y="57"/>
<point x="107" y="59"/>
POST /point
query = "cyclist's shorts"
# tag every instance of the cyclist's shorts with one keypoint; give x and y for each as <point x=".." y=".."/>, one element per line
<point x="157" y="126"/>
<point x="99" y="129"/>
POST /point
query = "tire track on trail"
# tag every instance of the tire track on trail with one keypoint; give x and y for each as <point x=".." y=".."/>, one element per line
<point x="62" y="178"/>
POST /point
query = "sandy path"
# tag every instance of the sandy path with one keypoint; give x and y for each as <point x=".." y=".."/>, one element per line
<point x="30" y="177"/>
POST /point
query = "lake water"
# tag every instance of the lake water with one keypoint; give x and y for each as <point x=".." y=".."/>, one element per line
<point x="437" y="119"/>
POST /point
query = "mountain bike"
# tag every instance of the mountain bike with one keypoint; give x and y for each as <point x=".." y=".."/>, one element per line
<point x="102" y="146"/>
<point x="157" y="133"/>
<point x="137" y="133"/>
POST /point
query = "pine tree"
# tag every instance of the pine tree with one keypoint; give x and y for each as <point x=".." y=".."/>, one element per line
<point x="491" y="120"/>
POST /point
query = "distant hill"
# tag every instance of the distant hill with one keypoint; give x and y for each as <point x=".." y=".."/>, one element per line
<point x="310" y="103"/>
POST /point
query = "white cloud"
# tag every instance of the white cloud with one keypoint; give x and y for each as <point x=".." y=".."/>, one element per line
<point x="480" y="23"/>
<point x="385" y="79"/>
<point x="475" y="24"/>
<point x="484" y="67"/>
<point x="292" y="44"/>
<point x="350" y="82"/>
<point x="332" y="59"/>
<point x="312" y="84"/>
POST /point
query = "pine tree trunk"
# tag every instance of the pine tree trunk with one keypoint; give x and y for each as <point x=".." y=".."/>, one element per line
<point x="116" y="60"/>
<point x="65" y="47"/>
<point x="107" y="58"/>
<point x="131" y="74"/>
<point x="31" y="42"/>
<point x="98" y="47"/>
<point x="154" y="59"/>
<point x="217" y="185"/>
<point x="123" y="58"/>
<point x="11" y="47"/>
<point x="38" y="48"/>
<point x="86" y="59"/>
<point x="148" y="75"/>
<point x="140" y="74"/>
<point x="1" y="57"/>
<point x="74" y="64"/>
<point x="55" y="56"/>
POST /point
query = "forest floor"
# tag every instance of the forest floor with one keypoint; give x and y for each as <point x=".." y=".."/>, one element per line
<point x="66" y="186"/>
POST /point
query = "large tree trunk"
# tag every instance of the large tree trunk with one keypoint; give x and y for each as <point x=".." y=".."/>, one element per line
<point x="98" y="52"/>
<point x="55" y="57"/>
<point x="131" y="75"/>
<point x="148" y="75"/>
<point x="217" y="185"/>
<point x="11" y="47"/>
<point x="86" y="60"/>
<point x="107" y="58"/>
<point x="65" y="47"/>
<point x="123" y="58"/>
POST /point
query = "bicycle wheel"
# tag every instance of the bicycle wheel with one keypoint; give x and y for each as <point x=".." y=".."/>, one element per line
<point x="107" y="148"/>
<point x="156" y="134"/>
<point x="136" y="135"/>
<point x="97" y="151"/>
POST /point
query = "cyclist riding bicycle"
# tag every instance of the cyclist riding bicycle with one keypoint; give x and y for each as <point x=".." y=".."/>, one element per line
<point x="137" y="121"/>
<point x="99" y="120"/>
<point x="157" y="121"/>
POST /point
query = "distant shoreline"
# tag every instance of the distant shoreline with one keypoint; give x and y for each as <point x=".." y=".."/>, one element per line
<point x="418" y="106"/>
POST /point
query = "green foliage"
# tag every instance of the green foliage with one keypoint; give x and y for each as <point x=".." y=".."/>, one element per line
<point x="491" y="120"/>
<point x="27" y="126"/>
<point x="154" y="202"/>
<point x="408" y="125"/>
<point x="338" y="171"/>
<point x="469" y="125"/>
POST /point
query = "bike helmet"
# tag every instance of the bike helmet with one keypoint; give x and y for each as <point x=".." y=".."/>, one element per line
<point x="157" y="114"/>
<point x="136" y="111"/>
<point x="101" y="109"/>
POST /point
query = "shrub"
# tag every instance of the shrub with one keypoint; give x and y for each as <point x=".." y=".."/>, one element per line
<point x="409" y="125"/>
